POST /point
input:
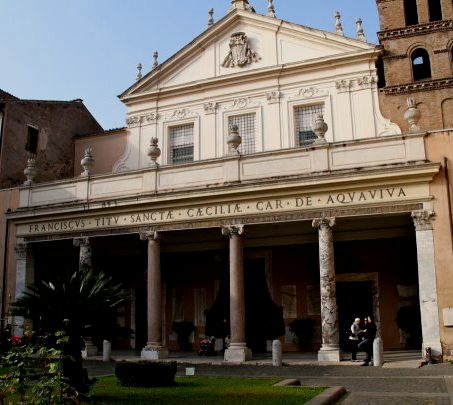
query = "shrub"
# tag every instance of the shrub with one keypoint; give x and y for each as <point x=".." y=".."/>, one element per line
<point x="146" y="373"/>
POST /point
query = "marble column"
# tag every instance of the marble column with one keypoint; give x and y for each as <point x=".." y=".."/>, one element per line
<point x="84" y="253"/>
<point x="427" y="283"/>
<point x="237" y="351"/>
<point x="84" y="246"/>
<point x="24" y="277"/>
<point x="155" y="348"/>
<point x="330" y="349"/>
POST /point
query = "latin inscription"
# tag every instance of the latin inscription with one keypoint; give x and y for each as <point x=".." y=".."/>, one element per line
<point x="253" y="207"/>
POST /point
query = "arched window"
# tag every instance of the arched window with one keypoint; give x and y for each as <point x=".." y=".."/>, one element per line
<point x="411" y="12"/>
<point x="435" y="10"/>
<point x="421" y="67"/>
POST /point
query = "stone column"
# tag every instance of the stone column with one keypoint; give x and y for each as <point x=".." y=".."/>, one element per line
<point x="155" y="348"/>
<point x="84" y="246"/>
<point x="85" y="251"/>
<point x="238" y="351"/>
<point x="330" y="349"/>
<point x="24" y="277"/>
<point x="429" y="310"/>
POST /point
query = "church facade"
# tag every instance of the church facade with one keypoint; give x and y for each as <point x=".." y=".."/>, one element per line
<point x="257" y="184"/>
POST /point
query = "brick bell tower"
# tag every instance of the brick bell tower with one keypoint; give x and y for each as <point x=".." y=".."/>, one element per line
<point x="417" y="38"/>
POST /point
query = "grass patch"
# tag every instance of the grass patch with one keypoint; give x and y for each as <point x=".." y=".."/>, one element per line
<point x="203" y="390"/>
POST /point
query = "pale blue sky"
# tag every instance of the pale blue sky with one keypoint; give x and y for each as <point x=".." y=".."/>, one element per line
<point x="89" y="49"/>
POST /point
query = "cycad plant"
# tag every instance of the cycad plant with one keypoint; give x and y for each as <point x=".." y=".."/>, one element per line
<point x="70" y="304"/>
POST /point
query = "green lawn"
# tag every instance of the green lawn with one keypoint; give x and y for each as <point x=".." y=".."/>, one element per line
<point x="201" y="390"/>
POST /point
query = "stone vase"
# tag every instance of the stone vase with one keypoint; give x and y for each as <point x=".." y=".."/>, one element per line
<point x="234" y="139"/>
<point x="154" y="151"/>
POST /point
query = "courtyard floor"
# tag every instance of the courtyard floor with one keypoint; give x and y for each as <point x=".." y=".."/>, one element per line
<point x="400" y="381"/>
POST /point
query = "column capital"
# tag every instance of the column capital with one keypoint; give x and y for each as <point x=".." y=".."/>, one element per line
<point x="319" y="223"/>
<point x="81" y="242"/>
<point x="423" y="219"/>
<point x="22" y="250"/>
<point x="149" y="235"/>
<point x="231" y="230"/>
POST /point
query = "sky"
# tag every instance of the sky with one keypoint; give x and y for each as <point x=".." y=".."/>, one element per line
<point x="89" y="49"/>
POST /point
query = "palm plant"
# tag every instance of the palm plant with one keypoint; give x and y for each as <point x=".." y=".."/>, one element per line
<point x="71" y="303"/>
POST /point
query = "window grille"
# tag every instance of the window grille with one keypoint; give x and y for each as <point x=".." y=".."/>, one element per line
<point x="304" y="119"/>
<point x="247" y="128"/>
<point x="181" y="144"/>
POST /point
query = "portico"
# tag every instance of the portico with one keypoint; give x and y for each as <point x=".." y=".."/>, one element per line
<point x="262" y="223"/>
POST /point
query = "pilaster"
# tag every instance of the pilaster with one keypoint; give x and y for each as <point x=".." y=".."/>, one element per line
<point x="24" y="277"/>
<point x="423" y="221"/>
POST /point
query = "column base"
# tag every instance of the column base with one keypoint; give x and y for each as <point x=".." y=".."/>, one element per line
<point x="154" y="353"/>
<point x="436" y="351"/>
<point x="330" y="354"/>
<point x="90" y="350"/>
<point x="238" y="354"/>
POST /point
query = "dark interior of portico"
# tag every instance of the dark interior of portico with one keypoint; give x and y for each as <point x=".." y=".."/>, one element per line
<point x="375" y="264"/>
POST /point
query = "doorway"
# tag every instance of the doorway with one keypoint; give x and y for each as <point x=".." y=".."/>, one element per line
<point x="355" y="299"/>
<point x="263" y="317"/>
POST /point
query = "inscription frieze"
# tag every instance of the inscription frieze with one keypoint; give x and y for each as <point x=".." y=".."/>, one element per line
<point x="244" y="209"/>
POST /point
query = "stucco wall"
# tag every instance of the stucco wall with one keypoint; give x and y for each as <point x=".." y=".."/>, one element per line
<point x="106" y="148"/>
<point x="439" y="146"/>
<point x="9" y="200"/>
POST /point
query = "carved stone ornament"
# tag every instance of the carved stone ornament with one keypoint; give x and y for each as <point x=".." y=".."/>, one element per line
<point x="233" y="140"/>
<point x="152" y="117"/>
<point x="343" y="85"/>
<point x="132" y="122"/>
<point x="231" y="230"/>
<point x="30" y="170"/>
<point x="412" y="115"/>
<point x="22" y="250"/>
<point x="149" y="235"/>
<point x="320" y="128"/>
<point x="210" y="107"/>
<point x="240" y="53"/>
<point x="240" y="103"/>
<point x="181" y="114"/>
<point x="423" y="220"/>
<point x="366" y="82"/>
<point x="273" y="97"/>
<point x="323" y="223"/>
<point x="153" y="151"/>
<point x="87" y="162"/>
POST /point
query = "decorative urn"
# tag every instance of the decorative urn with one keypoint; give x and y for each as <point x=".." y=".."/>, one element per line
<point x="233" y="139"/>
<point x="153" y="151"/>
<point x="320" y="128"/>
<point x="412" y="115"/>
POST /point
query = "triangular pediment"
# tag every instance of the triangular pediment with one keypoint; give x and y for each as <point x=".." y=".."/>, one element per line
<point x="259" y="42"/>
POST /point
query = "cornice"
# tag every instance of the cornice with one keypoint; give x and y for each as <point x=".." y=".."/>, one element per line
<point x="425" y="85"/>
<point x="417" y="173"/>
<point x="256" y="75"/>
<point x="414" y="30"/>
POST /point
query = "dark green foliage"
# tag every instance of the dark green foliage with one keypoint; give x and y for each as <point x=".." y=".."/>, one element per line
<point x="70" y="303"/>
<point x="146" y="373"/>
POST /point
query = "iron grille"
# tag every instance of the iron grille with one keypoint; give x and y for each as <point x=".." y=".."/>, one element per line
<point x="181" y="144"/>
<point x="247" y="127"/>
<point x="304" y="119"/>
